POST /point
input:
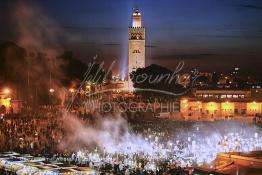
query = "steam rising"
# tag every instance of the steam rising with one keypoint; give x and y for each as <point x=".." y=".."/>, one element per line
<point x="197" y="144"/>
<point x="112" y="134"/>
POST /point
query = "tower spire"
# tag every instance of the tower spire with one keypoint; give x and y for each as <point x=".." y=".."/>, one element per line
<point x="136" y="45"/>
<point x="136" y="18"/>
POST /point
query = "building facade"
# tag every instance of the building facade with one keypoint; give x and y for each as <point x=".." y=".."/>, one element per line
<point x="136" y="45"/>
<point x="220" y="104"/>
<point x="222" y="94"/>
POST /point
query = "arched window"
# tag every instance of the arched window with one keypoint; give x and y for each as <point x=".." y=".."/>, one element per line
<point x="136" y="51"/>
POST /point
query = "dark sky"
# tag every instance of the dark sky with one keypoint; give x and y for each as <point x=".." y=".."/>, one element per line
<point x="207" y="34"/>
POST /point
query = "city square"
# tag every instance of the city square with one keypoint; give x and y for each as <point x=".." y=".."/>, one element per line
<point x="130" y="87"/>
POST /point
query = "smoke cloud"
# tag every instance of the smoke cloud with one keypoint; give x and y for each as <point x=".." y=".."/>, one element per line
<point x="40" y="67"/>
<point x="112" y="134"/>
<point x="197" y="143"/>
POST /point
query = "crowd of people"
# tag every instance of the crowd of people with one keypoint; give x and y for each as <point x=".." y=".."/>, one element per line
<point x="32" y="132"/>
<point x="176" y="146"/>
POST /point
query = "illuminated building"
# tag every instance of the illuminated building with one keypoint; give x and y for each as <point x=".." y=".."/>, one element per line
<point x="115" y="87"/>
<point x="211" y="108"/>
<point x="201" y="109"/>
<point x="227" y="108"/>
<point x="220" y="104"/>
<point x="253" y="108"/>
<point x="136" y="45"/>
<point x="222" y="94"/>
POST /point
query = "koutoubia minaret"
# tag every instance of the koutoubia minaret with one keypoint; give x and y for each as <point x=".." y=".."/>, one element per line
<point x="136" y="45"/>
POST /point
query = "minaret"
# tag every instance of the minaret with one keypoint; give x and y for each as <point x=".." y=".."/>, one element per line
<point x="136" y="46"/>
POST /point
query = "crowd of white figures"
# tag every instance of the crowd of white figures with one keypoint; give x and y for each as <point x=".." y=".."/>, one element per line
<point x="185" y="147"/>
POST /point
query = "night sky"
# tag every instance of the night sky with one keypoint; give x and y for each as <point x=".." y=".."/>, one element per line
<point x="206" y="34"/>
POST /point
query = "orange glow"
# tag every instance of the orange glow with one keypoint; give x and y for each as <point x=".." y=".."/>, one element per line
<point x="253" y="107"/>
<point x="72" y="90"/>
<point x="212" y="106"/>
<point x="227" y="107"/>
<point x="6" y="91"/>
<point x="199" y="104"/>
<point x="184" y="105"/>
<point x="184" y="101"/>
<point x="6" y="102"/>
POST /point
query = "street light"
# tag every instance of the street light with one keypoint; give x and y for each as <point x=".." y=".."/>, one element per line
<point x="6" y="91"/>
<point x="71" y="90"/>
<point x="51" y="90"/>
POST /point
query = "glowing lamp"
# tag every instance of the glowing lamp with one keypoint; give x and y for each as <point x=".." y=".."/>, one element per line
<point x="184" y="101"/>
<point x="51" y="90"/>
<point x="6" y="91"/>
<point x="72" y="90"/>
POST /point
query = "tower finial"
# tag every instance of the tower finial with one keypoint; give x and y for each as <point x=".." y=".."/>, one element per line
<point x="137" y="18"/>
<point x="136" y="9"/>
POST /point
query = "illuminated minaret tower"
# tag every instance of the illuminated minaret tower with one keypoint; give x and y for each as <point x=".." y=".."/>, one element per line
<point x="136" y="45"/>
